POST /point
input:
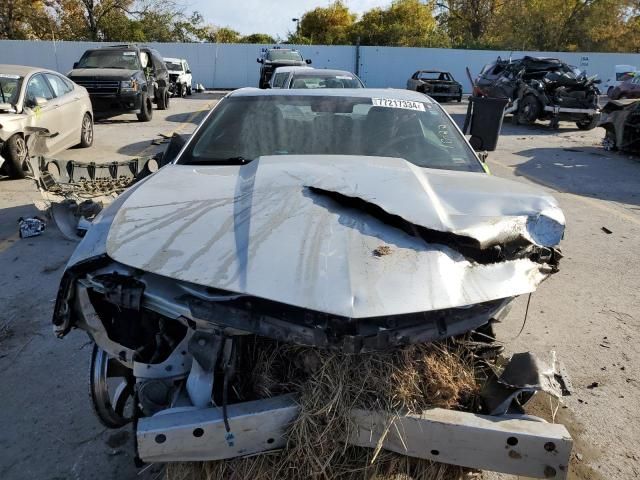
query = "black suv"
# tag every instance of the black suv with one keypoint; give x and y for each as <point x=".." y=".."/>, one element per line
<point x="123" y="79"/>
<point x="275" y="57"/>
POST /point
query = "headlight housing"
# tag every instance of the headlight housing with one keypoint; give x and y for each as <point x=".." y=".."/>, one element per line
<point x="547" y="228"/>
<point x="129" y="86"/>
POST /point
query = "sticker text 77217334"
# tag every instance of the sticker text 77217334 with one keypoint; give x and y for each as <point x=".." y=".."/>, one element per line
<point x="393" y="103"/>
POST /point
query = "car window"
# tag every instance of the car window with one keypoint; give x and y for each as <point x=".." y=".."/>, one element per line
<point x="38" y="88"/>
<point x="9" y="88"/>
<point x="278" y="81"/>
<point x="107" y="58"/>
<point x="286" y="55"/>
<point x="186" y="66"/>
<point x="58" y="85"/>
<point x="320" y="80"/>
<point x="250" y="127"/>
<point x="174" y="66"/>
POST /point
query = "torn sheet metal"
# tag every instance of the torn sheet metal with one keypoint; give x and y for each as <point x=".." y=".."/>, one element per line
<point x="261" y="221"/>
<point x="524" y="375"/>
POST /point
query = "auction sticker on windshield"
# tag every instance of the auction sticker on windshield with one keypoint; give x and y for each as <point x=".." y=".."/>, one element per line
<point x="393" y="103"/>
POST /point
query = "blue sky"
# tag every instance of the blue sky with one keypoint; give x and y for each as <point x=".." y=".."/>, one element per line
<point x="266" y="16"/>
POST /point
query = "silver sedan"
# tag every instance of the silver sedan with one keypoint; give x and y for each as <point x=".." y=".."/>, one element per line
<point x="31" y="98"/>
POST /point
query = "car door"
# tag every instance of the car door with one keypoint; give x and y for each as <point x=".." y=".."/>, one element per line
<point x="40" y="105"/>
<point x="69" y="112"/>
<point x="187" y="74"/>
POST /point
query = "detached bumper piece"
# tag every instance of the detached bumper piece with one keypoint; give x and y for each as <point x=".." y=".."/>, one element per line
<point x="512" y="444"/>
<point x="556" y="110"/>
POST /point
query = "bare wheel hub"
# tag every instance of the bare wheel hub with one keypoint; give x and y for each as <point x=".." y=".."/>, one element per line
<point x="111" y="386"/>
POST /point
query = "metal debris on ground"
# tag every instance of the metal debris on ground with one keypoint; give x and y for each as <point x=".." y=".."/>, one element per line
<point x="31" y="226"/>
<point x="606" y="230"/>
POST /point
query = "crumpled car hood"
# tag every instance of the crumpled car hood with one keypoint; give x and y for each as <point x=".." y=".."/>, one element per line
<point x="272" y="229"/>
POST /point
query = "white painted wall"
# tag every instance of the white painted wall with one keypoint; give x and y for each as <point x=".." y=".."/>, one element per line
<point x="234" y="65"/>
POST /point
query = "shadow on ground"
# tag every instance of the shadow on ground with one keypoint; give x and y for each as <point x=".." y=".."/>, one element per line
<point x="586" y="171"/>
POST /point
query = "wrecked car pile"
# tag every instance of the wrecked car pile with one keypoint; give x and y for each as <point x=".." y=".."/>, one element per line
<point x="542" y="89"/>
<point x="377" y="235"/>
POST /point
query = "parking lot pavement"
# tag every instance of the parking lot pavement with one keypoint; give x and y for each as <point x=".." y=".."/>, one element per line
<point x="123" y="137"/>
<point x="589" y="312"/>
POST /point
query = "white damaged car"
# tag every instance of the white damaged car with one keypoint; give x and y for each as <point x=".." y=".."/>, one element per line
<point x="179" y="76"/>
<point x="354" y="220"/>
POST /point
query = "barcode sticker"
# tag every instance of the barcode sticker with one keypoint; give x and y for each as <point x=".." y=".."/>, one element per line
<point x="393" y="103"/>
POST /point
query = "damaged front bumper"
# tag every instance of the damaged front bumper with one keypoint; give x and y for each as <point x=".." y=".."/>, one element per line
<point x="512" y="444"/>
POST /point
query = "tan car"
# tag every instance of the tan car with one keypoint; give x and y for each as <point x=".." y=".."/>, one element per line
<point x="33" y="97"/>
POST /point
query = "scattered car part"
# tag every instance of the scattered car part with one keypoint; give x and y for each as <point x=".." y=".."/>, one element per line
<point x="31" y="226"/>
<point x="437" y="84"/>
<point x="541" y="89"/>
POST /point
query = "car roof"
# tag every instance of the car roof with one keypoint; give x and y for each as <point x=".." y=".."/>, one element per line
<point x="386" y="93"/>
<point x="324" y="71"/>
<point x="432" y="71"/>
<point x="21" y="70"/>
<point x="291" y="69"/>
<point x="169" y="59"/>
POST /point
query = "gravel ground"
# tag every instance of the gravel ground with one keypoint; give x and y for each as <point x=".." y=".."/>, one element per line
<point x="589" y="312"/>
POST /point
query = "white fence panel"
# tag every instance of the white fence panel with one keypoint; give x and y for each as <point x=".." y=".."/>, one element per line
<point x="234" y="65"/>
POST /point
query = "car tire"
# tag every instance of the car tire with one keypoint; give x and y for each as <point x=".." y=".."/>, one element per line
<point x="589" y="123"/>
<point x="17" y="154"/>
<point x="528" y="111"/>
<point x="183" y="90"/>
<point x="163" y="99"/>
<point x="86" y="131"/>
<point x="459" y="99"/>
<point x="146" y="109"/>
<point x="189" y="91"/>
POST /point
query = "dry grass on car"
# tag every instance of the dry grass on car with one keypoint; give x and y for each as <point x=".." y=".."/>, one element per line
<point x="329" y="385"/>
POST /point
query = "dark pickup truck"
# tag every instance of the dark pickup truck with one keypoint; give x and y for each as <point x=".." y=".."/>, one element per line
<point x="275" y="57"/>
<point x="123" y="79"/>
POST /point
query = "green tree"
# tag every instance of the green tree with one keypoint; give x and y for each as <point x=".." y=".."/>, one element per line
<point x="25" y="19"/>
<point x="327" y="26"/>
<point x="468" y="22"/>
<point x="406" y="23"/>
<point x="258" y="38"/>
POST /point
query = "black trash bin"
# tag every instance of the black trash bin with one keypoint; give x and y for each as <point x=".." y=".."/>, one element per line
<point x="484" y="121"/>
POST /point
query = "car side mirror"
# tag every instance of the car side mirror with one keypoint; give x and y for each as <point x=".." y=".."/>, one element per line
<point x="36" y="102"/>
<point x="259" y="60"/>
<point x="188" y="71"/>
<point x="308" y="61"/>
<point x="75" y="65"/>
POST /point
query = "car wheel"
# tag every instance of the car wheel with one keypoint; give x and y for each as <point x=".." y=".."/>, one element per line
<point x="86" y="132"/>
<point x="528" y="111"/>
<point x="17" y="153"/>
<point x="183" y="90"/>
<point x="589" y="122"/>
<point x="163" y="99"/>
<point x="146" y="109"/>
<point x="189" y="91"/>
<point x="459" y="99"/>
